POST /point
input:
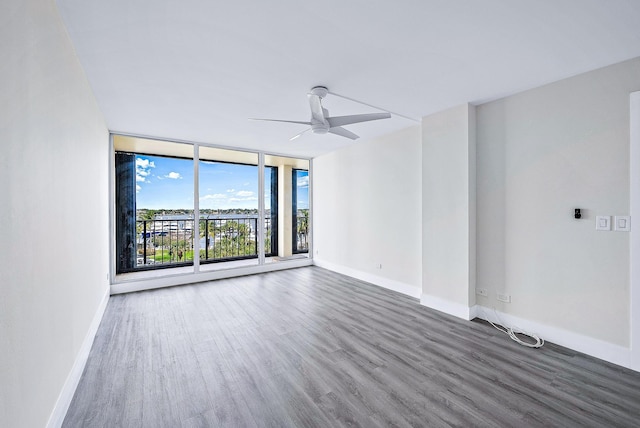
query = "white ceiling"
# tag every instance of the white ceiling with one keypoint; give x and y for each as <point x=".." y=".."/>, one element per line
<point x="196" y="70"/>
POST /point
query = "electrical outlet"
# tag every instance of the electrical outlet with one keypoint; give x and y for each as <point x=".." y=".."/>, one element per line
<point x="482" y="292"/>
<point x="379" y="265"/>
<point x="504" y="297"/>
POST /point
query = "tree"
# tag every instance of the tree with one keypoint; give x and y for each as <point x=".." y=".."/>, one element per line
<point x="303" y="228"/>
<point x="149" y="215"/>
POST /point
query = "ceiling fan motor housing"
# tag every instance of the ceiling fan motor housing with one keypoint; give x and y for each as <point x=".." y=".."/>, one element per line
<point x="320" y="91"/>
<point x="320" y="128"/>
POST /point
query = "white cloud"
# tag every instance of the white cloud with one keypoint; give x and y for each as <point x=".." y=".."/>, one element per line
<point x="173" y="175"/>
<point x="143" y="167"/>
<point x="138" y="188"/>
<point x="303" y="181"/>
<point x="214" y="196"/>
<point x="252" y="198"/>
<point x="231" y="190"/>
<point x="244" y="193"/>
<point x="144" y="163"/>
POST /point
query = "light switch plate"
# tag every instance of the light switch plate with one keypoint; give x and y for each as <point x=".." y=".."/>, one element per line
<point x="603" y="222"/>
<point x="622" y="223"/>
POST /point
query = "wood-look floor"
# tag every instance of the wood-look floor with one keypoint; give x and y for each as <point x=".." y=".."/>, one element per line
<point x="311" y="348"/>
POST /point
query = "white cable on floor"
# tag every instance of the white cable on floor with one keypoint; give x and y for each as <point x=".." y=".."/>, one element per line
<point x="513" y="332"/>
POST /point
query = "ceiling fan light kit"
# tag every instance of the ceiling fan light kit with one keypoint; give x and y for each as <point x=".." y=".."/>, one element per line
<point x="322" y="123"/>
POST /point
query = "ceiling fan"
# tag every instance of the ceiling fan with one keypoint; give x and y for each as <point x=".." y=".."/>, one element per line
<point x="321" y="122"/>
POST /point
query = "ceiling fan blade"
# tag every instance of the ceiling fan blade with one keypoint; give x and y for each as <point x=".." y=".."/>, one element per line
<point x="286" y="121"/>
<point x="356" y="118"/>
<point x="298" y="135"/>
<point x="317" y="112"/>
<point x="343" y="133"/>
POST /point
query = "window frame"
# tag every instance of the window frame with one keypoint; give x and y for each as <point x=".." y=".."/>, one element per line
<point x="294" y="213"/>
<point x="166" y="275"/>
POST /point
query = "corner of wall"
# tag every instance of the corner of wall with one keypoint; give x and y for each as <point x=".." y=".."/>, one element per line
<point x="634" y="274"/>
<point x="380" y="281"/>
<point x="449" y="209"/>
<point x="448" y="307"/>
<point x="588" y="345"/>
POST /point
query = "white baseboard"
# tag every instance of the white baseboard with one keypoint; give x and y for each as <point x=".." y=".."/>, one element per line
<point x="380" y="281"/>
<point x="448" y="307"/>
<point x="68" y="390"/>
<point x="612" y="353"/>
<point x="190" y="278"/>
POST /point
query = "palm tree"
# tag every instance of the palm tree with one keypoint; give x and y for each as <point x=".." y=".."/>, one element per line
<point x="303" y="229"/>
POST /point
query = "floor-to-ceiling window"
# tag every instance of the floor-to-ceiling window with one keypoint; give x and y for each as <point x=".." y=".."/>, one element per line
<point x="197" y="208"/>
<point x="288" y="207"/>
<point x="271" y="211"/>
<point x="154" y="217"/>
<point x="300" y="210"/>
<point x="228" y="207"/>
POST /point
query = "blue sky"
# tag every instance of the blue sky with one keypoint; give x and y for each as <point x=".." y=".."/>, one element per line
<point x="303" y="189"/>
<point x="168" y="183"/>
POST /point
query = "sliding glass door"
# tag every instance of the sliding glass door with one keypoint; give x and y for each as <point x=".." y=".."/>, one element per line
<point x="228" y="208"/>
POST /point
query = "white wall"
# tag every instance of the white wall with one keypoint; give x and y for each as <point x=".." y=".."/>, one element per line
<point x="541" y="154"/>
<point x="367" y="211"/>
<point x="634" y="158"/>
<point x="53" y="211"/>
<point x="448" y="210"/>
